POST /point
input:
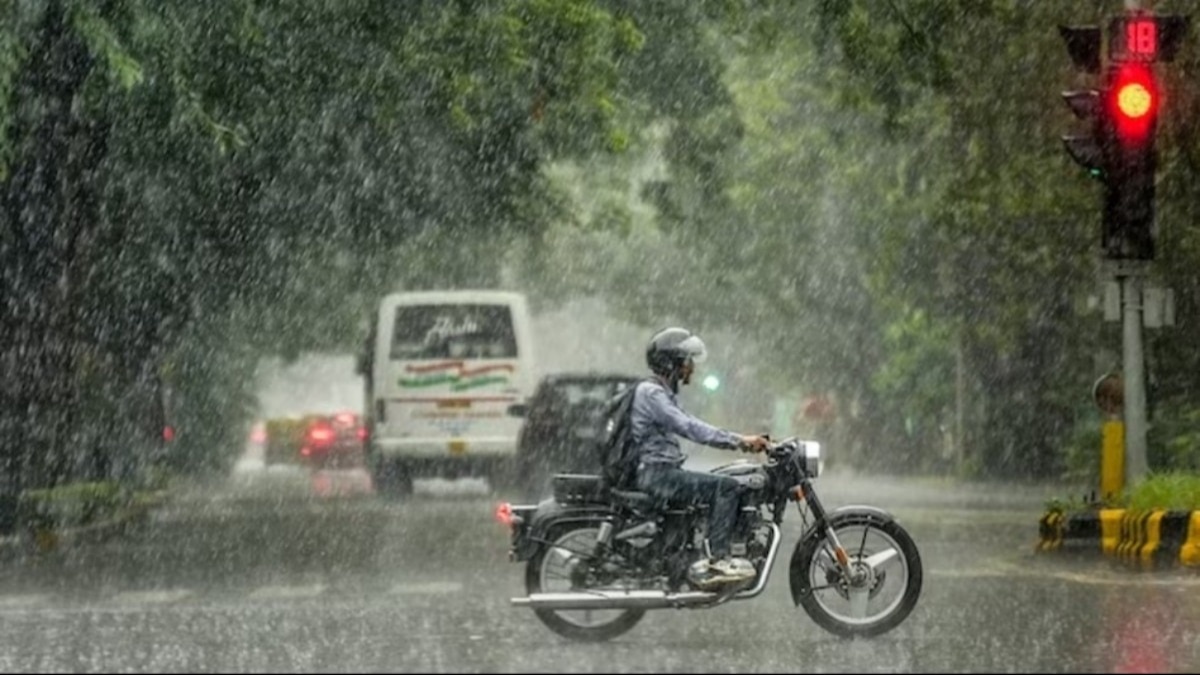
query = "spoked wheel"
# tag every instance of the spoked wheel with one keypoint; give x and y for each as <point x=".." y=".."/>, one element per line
<point x="884" y="582"/>
<point x="560" y="568"/>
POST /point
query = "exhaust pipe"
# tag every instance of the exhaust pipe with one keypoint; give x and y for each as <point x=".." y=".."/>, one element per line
<point x="644" y="599"/>
<point x="613" y="600"/>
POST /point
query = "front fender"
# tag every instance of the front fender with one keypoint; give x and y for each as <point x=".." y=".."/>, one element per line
<point x="550" y="514"/>
<point x="798" y="568"/>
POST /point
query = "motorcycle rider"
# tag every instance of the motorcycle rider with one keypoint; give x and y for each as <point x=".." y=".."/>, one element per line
<point x="656" y="418"/>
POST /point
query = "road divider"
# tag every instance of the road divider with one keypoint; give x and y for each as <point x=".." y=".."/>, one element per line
<point x="1152" y="538"/>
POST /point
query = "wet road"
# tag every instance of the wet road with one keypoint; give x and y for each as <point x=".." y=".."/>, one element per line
<point x="261" y="575"/>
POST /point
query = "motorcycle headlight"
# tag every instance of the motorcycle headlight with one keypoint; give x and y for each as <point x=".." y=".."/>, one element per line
<point x="812" y="457"/>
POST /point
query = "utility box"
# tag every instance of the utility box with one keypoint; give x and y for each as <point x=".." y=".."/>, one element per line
<point x="1112" y="301"/>
<point x="1158" y="307"/>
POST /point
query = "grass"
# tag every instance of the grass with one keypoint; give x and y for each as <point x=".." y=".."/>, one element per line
<point x="1166" y="491"/>
<point x="1172" y="491"/>
<point x="78" y="504"/>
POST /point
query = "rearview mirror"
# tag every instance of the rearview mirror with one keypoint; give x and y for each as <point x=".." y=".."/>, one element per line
<point x="518" y="410"/>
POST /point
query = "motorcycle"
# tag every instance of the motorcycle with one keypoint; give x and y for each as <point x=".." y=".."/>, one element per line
<point x="598" y="559"/>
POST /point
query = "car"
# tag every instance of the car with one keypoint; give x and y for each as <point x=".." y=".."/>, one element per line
<point x="562" y="426"/>
<point x="280" y="438"/>
<point x="334" y="441"/>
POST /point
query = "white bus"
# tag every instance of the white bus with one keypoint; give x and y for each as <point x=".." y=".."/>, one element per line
<point x="441" y="369"/>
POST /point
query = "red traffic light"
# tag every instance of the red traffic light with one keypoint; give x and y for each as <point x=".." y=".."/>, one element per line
<point x="1134" y="102"/>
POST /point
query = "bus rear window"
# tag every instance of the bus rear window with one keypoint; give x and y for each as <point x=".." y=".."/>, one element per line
<point x="453" y="332"/>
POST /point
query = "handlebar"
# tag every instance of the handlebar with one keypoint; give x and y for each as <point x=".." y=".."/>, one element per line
<point x="748" y="448"/>
<point x="777" y="451"/>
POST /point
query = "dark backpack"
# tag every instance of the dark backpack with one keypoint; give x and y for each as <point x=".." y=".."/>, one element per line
<point x="618" y="456"/>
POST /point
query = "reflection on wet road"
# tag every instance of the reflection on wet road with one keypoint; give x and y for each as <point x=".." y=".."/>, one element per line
<point x="284" y="570"/>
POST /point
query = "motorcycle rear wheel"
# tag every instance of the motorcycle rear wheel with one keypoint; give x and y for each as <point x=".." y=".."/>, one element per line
<point x="547" y="572"/>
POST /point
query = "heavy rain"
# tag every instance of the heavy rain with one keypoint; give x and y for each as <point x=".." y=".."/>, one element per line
<point x="315" y="316"/>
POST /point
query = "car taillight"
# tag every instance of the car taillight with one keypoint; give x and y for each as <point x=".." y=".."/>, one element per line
<point x="362" y="433"/>
<point x="258" y="435"/>
<point x="321" y="434"/>
<point x="346" y="419"/>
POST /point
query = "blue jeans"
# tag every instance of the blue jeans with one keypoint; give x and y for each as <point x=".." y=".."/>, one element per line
<point x="680" y="486"/>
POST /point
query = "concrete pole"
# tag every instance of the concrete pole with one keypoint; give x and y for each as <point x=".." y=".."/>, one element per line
<point x="1133" y="374"/>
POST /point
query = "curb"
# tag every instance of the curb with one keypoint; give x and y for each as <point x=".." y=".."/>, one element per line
<point x="1157" y="538"/>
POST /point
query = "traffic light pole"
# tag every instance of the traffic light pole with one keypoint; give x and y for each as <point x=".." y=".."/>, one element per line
<point x="1130" y="275"/>
<point x="1118" y="149"/>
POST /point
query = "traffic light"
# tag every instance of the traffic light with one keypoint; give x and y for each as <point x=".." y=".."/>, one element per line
<point x="1132" y="103"/>
<point x="1088" y="150"/>
<point x="1122" y="114"/>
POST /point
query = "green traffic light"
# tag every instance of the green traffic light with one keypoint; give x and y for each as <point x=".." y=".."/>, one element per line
<point x="711" y="382"/>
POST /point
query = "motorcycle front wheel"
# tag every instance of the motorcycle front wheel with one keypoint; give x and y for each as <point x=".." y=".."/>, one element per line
<point x="884" y="584"/>
<point x="556" y="569"/>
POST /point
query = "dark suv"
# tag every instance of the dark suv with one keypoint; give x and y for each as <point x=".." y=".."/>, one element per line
<point x="562" y="426"/>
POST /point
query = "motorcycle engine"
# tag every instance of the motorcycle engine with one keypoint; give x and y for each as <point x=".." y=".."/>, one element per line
<point x="697" y="573"/>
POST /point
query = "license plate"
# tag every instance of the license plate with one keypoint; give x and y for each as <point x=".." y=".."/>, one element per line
<point x="457" y="447"/>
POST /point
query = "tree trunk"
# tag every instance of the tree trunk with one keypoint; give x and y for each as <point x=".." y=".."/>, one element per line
<point x="49" y="204"/>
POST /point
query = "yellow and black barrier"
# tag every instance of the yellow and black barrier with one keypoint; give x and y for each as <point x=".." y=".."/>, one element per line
<point x="1051" y="530"/>
<point x="1151" y="538"/>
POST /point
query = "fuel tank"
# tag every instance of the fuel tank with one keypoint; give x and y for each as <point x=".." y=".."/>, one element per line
<point x="750" y="474"/>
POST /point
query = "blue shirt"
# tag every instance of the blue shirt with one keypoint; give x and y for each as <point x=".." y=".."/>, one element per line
<point x="656" y="420"/>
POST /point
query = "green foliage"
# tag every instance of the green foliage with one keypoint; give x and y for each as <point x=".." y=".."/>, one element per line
<point x="256" y="174"/>
<point x="880" y="245"/>
<point x="71" y="505"/>
<point x="1160" y="491"/>
<point x="12" y="54"/>
<point x="1174" y="438"/>
<point x="1081" y="452"/>
<point x="103" y="42"/>
<point x="1169" y="490"/>
<point x="919" y="366"/>
<point x="1071" y="504"/>
<point x="81" y="504"/>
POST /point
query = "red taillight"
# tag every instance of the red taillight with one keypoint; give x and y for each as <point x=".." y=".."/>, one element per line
<point x="346" y="419"/>
<point x="321" y="434"/>
<point x="362" y="433"/>
<point x="258" y="435"/>
<point x="504" y="513"/>
<point x="168" y="433"/>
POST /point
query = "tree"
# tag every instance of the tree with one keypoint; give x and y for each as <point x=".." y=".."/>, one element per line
<point x="180" y="173"/>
